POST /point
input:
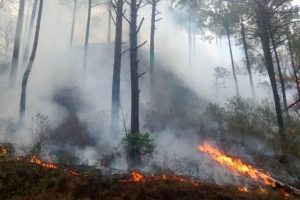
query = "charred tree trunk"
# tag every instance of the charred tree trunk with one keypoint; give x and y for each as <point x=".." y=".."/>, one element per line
<point x="232" y="63"/>
<point x="280" y="74"/>
<point x="17" y="44"/>
<point x="263" y="27"/>
<point x="30" y="63"/>
<point x="73" y="23"/>
<point x="294" y="67"/>
<point x="115" y="107"/>
<point x="135" y="92"/>
<point x="248" y="60"/>
<point x="30" y="30"/>
<point x="87" y="35"/>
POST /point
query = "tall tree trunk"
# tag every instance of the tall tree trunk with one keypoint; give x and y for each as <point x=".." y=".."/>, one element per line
<point x="263" y="27"/>
<point x="115" y="107"/>
<point x="248" y="60"/>
<point x="109" y="24"/>
<point x="17" y="44"/>
<point x="87" y="35"/>
<point x="294" y="67"/>
<point x="73" y="23"/>
<point x="30" y="63"/>
<point x="280" y="74"/>
<point x="232" y="63"/>
<point x="152" y="43"/>
<point x="30" y="30"/>
<point x="135" y="92"/>
<point x="190" y="38"/>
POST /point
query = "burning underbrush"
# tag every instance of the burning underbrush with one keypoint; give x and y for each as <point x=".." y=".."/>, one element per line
<point x="33" y="178"/>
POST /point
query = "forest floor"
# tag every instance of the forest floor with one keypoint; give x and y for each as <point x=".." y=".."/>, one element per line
<point x="21" y="179"/>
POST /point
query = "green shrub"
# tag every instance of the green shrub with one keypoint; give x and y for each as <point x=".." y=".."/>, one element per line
<point x="140" y="144"/>
<point x="244" y="117"/>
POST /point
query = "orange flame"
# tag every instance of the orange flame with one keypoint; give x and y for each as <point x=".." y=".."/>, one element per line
<point x="243" y="189"/>
<point x="236" y="165"/>
<point x="137" y="176"/>
<point x="39" y="162"/>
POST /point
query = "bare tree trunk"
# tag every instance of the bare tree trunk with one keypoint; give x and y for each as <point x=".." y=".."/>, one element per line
<point x="17" y="44"/>
<point x="248" y="60"/>
<point x="263" y="27"/>
<point x="115" y="107"/>
<point x="30" y="30"/>
<point x="190" y="38"/>
<point x="109" y="24"/>
<point x="280" y="74"/>
<point x="30" y="63"/>
<point x="135" y="92"/>
<point x="232" y="63"/>
<point x="294" y="67"/>
<point x="152" y="43"/>
<point x="87" y="34"/>
<point x="73" y="23"/>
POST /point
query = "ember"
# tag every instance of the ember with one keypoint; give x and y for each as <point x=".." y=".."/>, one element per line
<point x="3" y="151"/>
<point x="236" y="165"/>
<point x="137" y="176"/>
<point x="39" y="162"/>
<point x="243" y="189"/>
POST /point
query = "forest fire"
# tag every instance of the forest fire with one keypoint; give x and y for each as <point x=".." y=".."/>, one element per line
<point x="39" y="162"/>
<point x="243" y="189"/>
<point x="138" y="177"/>
<point x="3" y="151"/>
<point x="237" y="165"/>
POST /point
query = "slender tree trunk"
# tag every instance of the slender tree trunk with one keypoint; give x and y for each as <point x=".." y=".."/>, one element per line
<point x="109" y="24"/>
<point x="135" y="92"/>
<point x="87" y="35"/>
<point x="135" y="157"/>
<point x="263" y="27"/>
<point x="294" y="67"/>
<point x="232" y="64"/>
<point x="190" y="39"/>
<point x="73" y="23"/>
<point x="115" y="107"/>
<point x="280" y="74"/>
<point x="248" y="60"/>
<point x="217" y="89"/>
<point x="30" y="30"/>
<point x="17" y="44"/>
<point x="30" y="63"/>
<point x="152" y="43"/>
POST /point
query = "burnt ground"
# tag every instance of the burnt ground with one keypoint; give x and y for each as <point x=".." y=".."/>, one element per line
<point x="24" y="180"/>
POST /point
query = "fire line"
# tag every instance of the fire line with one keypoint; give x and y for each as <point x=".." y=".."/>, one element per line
<point x="236" y="165"/>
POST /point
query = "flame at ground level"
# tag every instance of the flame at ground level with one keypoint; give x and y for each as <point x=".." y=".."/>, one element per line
<point x="236" y="165"/>
<point x="3" y="151"/>
<point x="138" y="177"/>
<point x="43" y="163"/>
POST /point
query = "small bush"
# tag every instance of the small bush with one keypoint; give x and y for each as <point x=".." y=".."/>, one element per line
<point x="139" y="145"/>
